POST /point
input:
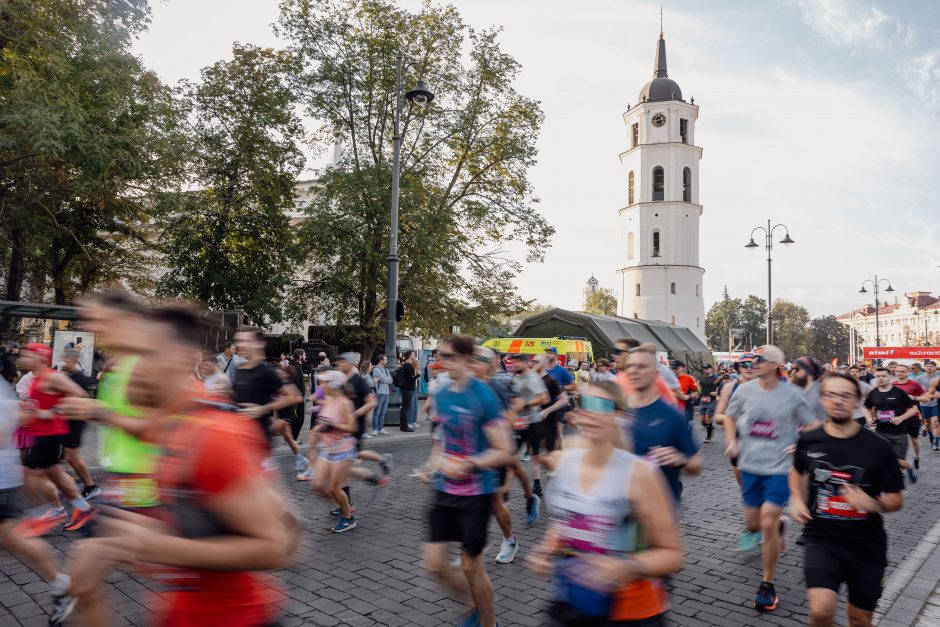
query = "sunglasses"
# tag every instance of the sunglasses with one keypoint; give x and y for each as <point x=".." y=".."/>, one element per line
<point x="760" y="359"/>
<point x="483" y="359"/>
<point x="745" y="365"/>
<point x="597" y="404"/>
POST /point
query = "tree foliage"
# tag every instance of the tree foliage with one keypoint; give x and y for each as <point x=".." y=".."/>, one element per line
<point x="465" y="192"/>
<point x="791" y="330"/>
<point x="829" y="339"/>
<point x="602" y="301"/>
<point x="229" y="243"/>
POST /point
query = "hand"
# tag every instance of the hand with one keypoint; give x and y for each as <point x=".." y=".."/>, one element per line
<point x="78" y="408"/>
<point x="252" y="411"/>
<point x="668" y="456"/>
<point x="454" y="468"/>
<point x="603" y="573"/>
<point x="732" y="448"/>
<point x="857" y="498"/>
<point x="540" y="561"/>
<point x="800" y="512"/>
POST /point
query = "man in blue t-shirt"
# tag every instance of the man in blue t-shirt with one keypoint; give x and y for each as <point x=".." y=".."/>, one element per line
<point x="474" y="442"/>
<point x="658" y="430"/>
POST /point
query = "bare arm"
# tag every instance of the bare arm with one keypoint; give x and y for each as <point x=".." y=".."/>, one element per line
<point x="651" y="500"/>
<point x="58" y="382"/>
<point x="371" y="402"/>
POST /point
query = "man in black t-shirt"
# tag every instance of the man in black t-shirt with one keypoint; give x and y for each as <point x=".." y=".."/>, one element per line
<point x="887" y="408"/>
<point x="295" y="366"/>
<point x="843" y="478"/>
<point x="708" y="382"/>
<point x="260" y="392"/>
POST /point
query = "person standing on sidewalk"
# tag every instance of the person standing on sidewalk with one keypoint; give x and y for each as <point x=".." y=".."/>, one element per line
<point x="295" y="368"/>
<point x="383" y="382"/>
<point x="765" y="416"/>
<point x="474" y="444"/>
<point x="843" y="479"/>
<point x="409" y="394"/>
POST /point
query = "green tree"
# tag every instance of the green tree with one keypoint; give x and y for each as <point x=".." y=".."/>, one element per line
<point x="720" y="319"/>
<point x="465" y="191"/>
<point x="87" y="135"/>
<point x="230" y="244"/>
<point x="753" y="319"/>
<point x="829" y="339"/>
<point x="791" y="329"/>
<point x="602" y="301"/>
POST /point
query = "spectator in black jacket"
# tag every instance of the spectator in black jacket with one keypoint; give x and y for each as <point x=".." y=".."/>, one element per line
<point x="409" y="393"/>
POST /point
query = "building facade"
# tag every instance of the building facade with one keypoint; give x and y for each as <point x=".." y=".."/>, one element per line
<point x="661" y="278"/>
<point x="913" y="320"/>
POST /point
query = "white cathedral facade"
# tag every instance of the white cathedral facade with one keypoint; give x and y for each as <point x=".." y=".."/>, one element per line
<point x="661" y="278"/>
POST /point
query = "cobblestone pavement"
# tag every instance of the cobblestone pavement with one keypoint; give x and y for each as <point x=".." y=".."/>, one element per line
<point x="373" y="574"/>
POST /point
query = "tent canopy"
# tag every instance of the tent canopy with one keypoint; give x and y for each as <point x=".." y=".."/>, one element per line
<point x="604" y="331"/>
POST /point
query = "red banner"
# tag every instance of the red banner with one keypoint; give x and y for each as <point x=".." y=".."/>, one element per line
<point x="902" y="352"/>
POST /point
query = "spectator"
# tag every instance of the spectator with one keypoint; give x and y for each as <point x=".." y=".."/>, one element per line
<point x="228" y="360"/>
<point x="383" y="381"/>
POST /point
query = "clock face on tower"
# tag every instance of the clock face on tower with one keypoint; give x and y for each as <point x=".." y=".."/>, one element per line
<point x="659" y="120"/>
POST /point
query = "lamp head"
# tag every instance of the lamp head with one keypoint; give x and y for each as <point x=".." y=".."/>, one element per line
<point x="751" y="244"/>
<point x="863" y="290"/>
<point x="890" y="289"/>
<point x="787" y="240"/>
<point x="420" y="95"/>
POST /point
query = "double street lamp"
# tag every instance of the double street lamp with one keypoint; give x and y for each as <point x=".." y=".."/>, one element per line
<point x="936" y="314"/>
<point x="769" y="245"/>
<point x="419" y="96"/>
<point x="876" y="283"/>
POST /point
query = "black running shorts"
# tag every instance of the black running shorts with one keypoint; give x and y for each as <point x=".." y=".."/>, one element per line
<point x="10" y="508"/>
<point x="44" y="453"/>
<point x="860" y="566"/>
<point x="531" y="435"/>
<point x="914" y="426"/>
<point x="550" y="431"/>
<point x="461" y="519"/>
<point x="73" y="439"/>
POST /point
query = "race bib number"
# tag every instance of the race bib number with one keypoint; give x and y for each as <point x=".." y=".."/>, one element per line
<point x="131" y="492"/>
<point x="830" y="504"/>
<point x="765" y="429"/>
<point x="885" y="416"/>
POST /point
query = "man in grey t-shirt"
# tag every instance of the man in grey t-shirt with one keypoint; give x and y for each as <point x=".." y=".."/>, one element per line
<point x="228" y="360"/>
<point x="766" y="416"/>
<point x="530" y="395"/>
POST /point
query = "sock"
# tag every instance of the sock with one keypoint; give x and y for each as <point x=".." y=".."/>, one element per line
<point x="61" y="584"/>
<point x="80" y="504"/>
<point x="510" y="539"/>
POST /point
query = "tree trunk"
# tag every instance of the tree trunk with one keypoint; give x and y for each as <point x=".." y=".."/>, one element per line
<point x="16" y="271"/>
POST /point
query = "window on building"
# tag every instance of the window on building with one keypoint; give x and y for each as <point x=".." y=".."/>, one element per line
<point x="635" y="130"/>
<point x="687" y="184"/>
<point x="630" y="187"/>
<point x="637" y="289"/>
<point x="630" y="252"/>
<point x="673" y="319"/>
<point x="696" y="290"/>
<point x="659" y="183"/>
<point x="672" y="288"/>
<point x="697" y="322"/>
<point x="655" y="243"/>
<point x="635" y="315"/>
<point x="684" y="130"/>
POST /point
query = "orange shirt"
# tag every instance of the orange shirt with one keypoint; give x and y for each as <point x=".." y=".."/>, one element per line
<point x="688" y="385"/>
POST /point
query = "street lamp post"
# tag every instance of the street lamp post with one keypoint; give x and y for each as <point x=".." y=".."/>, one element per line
<point x="769" y="245"/>
<point x="876" y="283"/>
<point x="926" y="318"/>
<point x="419" y="96"/>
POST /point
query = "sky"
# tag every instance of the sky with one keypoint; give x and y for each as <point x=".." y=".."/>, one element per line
<point x="823" y="115"/>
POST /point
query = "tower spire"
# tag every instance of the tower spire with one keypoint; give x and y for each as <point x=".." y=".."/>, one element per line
<point x="659" y="69"/>
<point x="660" y="21"/>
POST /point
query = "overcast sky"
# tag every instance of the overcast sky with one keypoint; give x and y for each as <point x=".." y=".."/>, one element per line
<point x="821" y="114"/>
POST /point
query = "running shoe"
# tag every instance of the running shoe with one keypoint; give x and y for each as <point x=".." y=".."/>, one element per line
<point x="766" y="599"/>
<point x="344" y="524"/>
<point x="471" y="620"/>
<point x="91" y="492"/>
<point x="507" y="551"/>
<point x="306" y="475"/>
<point x="526" y="456"/>
<point x="537" y="487"/>
<point x="532" y="510"/>
<point x="301" y="463"/>
<point x="784" y="524"/>
<point x="912" y="475"/>
<point x="936" y="448"/>
<point x="374" y="432"/>
<point x="79" y="519"/>
<point x="382" y="487"/>
<point x="749" y="541"/>
<point x="62" y="606"/>
<point x="383" y="432"/>
<point x="549" y="473"/>
<point x="338" y="512"/>
<point x="707" y="440"/>
<point x="366" y="436"/>
<point x="43" y="524"/>
<point x="386" y="463"/>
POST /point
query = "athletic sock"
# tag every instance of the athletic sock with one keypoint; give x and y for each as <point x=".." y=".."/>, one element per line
<point x="80" y="504"/>
<point x="61" y="584"/>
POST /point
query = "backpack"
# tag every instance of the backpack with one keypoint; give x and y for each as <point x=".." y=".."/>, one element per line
<point x="400" y="378"/>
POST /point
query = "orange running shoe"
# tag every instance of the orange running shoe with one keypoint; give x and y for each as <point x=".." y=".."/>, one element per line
<point x="79" y="519"/>
<point x="43" y="524"/>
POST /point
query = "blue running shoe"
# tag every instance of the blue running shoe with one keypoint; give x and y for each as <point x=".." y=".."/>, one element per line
<point x="766" y="599"/>
<point x="532" y="509"/>
<point x="749" y="542"/>
<point x="344" y="524"/>
<point x="471" y="620"/>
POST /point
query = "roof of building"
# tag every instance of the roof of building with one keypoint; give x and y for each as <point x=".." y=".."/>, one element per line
<point x="661" y="88"/>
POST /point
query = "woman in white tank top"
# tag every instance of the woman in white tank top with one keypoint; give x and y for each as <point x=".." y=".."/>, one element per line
<point x="614" y="535"/>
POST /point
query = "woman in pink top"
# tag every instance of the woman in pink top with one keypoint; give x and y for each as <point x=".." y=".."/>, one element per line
<point x="336" y="446"/>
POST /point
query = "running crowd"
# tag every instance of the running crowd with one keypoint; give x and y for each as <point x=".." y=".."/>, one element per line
<point x="190" y="495"/>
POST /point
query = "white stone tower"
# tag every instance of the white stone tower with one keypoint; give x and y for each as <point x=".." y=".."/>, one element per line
<point x="590" y="287"/>
<point x="662" y="279"/>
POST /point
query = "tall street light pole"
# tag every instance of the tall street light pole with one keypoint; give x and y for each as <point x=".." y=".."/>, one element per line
<point x="419" y="96"/>
<point x="769" y="245"/>
<point x="926" y="318"/>
<point x="876" y="283"/>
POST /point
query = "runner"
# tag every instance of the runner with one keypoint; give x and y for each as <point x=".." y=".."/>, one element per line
<point x="616" y="535"/>
<point x="743" y="368"/>
<point x="530" y="395"/>
<point x="929" y="408"/>
<point x="554" y="409"/>
<point x="34" y="550"/>
<point x="658" y="431"/>
<point x="843" y="478"/>
<point x="336" y="446"/>
<point x="765" y="415"/>
<point x="918" y="393"/>
<point x="667" y="390"/>
<point x="865" y="375"/>
<point x="260" y="392"/>
<point x="688" y="389"/>
<point x="709" y="384"/>
<point x="475" y="442"/>
<point x="295" y="368"/>
<point x="886" y="409"/>
<point x="72" y="442"/>
<point x="603" y="371"/>
<point x="807" y="374"/>
<point x="47" y="429"/>
<point x="858" y="414"/>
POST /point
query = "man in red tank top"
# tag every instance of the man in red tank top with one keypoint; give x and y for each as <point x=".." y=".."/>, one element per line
<point x="47" y="427"/>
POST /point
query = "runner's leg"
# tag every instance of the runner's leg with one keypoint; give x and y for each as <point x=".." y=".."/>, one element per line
<point x="481" y="589"/>
<point x="822" y="606"/>
<point x="770" y="528"/>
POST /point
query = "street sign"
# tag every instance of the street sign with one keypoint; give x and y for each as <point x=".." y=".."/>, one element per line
<point x="902" y="352"/>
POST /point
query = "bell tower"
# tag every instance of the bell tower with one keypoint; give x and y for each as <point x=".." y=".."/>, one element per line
<point x="661" y="278"/>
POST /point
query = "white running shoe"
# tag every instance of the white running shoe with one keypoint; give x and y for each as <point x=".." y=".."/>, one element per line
<point x="507" y="551"/>
<point x="366" y="436"/>
<point x="383" y="432"/>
